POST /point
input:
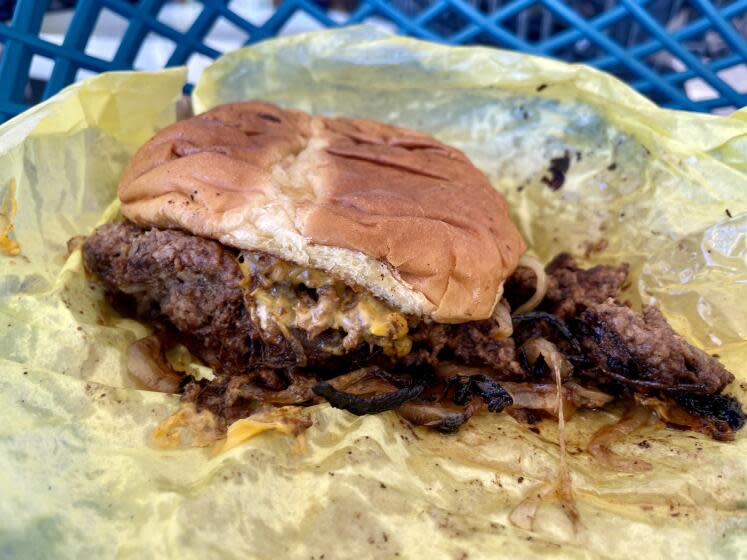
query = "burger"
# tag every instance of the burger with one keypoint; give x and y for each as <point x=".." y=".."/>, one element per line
<point x="306" y="259"/>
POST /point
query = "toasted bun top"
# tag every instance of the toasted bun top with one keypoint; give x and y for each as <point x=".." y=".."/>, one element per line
<point x="392" y="210"/>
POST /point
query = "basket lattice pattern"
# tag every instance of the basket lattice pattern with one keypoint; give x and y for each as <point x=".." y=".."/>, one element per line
<point x="660" y="47"/>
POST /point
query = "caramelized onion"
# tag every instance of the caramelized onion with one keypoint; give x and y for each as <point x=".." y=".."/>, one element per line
<point x="363" y="381"/>
<point x="367" y="391"/>
<point x="502" y="317"/>
<point x="536" y="347"/>
<point x="717" y="416"/>
<point x="446" y="370"/>
<point x="582" y="397"/>
<point x="297" y="393"/>
<point x="524" y="514"/>
<point x="553" y="320"/>
<point x="147" y="362"/>
<point x="564" y="487"/>
<point x="541" y="289"/>
<point x="361" y="405"/>
<point x="535" y="396"/>
<point x="601" y="442"/>
<point x="442" y="419"/>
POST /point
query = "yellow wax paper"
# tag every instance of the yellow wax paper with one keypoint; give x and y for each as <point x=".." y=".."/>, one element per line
<point x="77" y="478"/>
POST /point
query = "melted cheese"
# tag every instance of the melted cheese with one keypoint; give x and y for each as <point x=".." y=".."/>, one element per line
<point x="280" y="295"/>
<point x="187" y="428"/>
<point x="288" y="420"/>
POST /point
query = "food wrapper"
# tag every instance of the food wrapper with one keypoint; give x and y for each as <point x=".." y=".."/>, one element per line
<point x="588" y="166"/>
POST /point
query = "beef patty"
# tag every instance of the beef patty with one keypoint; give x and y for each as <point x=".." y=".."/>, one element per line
<point x="204" y="295"/>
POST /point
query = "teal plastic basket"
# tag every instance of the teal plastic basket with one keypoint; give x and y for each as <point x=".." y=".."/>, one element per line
<point x="659" y="47"/>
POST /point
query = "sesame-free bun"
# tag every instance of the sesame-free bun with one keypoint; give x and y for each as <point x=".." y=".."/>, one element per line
<point x="389" y="209"/>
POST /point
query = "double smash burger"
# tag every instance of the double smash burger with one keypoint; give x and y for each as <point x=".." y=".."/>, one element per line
<point x="306" y="259"/>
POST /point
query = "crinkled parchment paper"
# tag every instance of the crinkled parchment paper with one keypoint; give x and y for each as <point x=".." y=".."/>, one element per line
<point x="76" y="476"/>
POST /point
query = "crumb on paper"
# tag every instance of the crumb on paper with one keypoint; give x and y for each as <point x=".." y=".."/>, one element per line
<point x="8" y="247"/>
<point x="592" y="247"/>
<point x="558" y="168"/>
